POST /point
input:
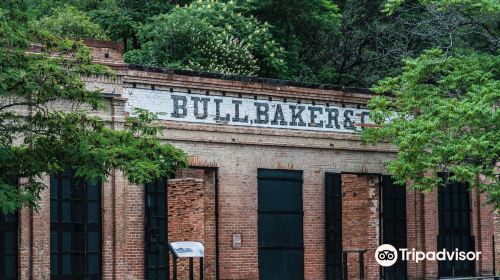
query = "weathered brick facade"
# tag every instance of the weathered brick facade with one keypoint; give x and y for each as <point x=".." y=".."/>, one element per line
<point x="217" y="197"/>
<point x="360" y="223"/>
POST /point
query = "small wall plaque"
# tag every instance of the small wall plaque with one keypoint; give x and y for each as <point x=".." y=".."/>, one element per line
<point x="236" y="240"/>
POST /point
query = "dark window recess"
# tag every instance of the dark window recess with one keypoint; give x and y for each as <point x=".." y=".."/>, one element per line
<point x="333" y="207"/>
<point x="157" y="258"/>
<point x="280" y="222"/>
<point x="393" y="211"/>
<point x="455" y="229"/>
<point x="8" y="246"/>
<point x="75" y="229"/>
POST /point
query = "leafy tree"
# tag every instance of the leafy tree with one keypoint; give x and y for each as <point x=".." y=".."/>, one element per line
<point x="360" y="53"/>
<point x="305" y="28"/>
<point x="343" y="42"/>
<point x="118" y="24"/>
<point x="37" y="9"/>
<point x="121" y="18"/>
<point x="37" y="139"/>
<point x="487" y="6"/>
<point x="443" y="116"/>
<point x="210" y="36"/>
<point x="446" y="120"/>
<point x="371" y="44"/>
<point x="68" y="21"/>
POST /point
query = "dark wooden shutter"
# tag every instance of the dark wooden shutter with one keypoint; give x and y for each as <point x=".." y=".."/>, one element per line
<point x="333" y="217"/>
<point x="394" y="224"/>
<point x="8" y="246"/>
<point x="455" y="228"/>
<point x="157" y="266"/>
<point x="93" y="231"/>
<point x="75" y="237"/>
<point x="280" y="221"/>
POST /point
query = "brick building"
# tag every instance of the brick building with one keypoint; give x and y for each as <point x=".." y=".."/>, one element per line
<point x="279" y="185"/>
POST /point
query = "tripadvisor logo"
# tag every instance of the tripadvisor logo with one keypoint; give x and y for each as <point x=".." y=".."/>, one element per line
<point x="386" y="255"/>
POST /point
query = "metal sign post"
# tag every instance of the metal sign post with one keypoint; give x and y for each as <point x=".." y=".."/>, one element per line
<point x="187" y="250"/>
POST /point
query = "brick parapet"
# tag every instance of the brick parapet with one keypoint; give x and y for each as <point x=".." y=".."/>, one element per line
<point x="166" y="81"/>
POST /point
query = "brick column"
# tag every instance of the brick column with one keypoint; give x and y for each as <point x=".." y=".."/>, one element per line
<point x="191" y="216"/>
<point x="121" y="268"/>
<point x="412" y="233"/>
<point x="25" y="218"/>
<point x="313" y="190"/>
<point x="360" y="221"/>
<point x="186" y="217"/>
<point x="108" y="220"/>
<point x="134" y="231"/>
<point x="238" y="214"/>
<point x="415" y="231"/>
<point x="431" y="231"/>
<point x="482" y="229"/>
<point x="496" y="217"/>
<point x="40" y="257"/>
<point x="209" y="200"/>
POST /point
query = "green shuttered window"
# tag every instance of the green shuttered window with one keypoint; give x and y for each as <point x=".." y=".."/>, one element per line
<point x="8" y="246"/>
<point x="455" y="228"/>
<point x="393" y="209"/>
<point x="75" y="229"/>
<point x="156" y="231"/>
<point x="333" y="216"/>
<point x="280" y="221"/>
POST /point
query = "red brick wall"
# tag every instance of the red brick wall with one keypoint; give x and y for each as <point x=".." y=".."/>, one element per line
<point x="106" y="52"/>
<point x="192" y="198"/>
<point x="209" y="209"/>
<point x="238" y="214"/>
<point x="25" y="243"/>
<point x="132" y="247"/>
<point x="496" y="218"/>
<point x="415" y="231"/>
<point x="482" y="229"/>
<point x="360" y="222"/>
<point x="191" y="216"/>
<point x="313" y="190"/>
<point x="39" y="239"/>
<point x="186" y="209"/>
<point x="430" y="225"/>
<point x="185" y="216"/>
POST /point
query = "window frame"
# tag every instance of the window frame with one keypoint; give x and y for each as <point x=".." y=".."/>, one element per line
<point x="9" y="225"/>
<point x="76" y="228"/>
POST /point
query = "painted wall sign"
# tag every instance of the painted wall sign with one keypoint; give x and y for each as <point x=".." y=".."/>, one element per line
<point x="198" y="108"/>
<point x="188" y="249"/>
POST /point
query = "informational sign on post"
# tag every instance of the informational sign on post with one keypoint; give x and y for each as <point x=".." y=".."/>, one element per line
<point x="188" y="249"/>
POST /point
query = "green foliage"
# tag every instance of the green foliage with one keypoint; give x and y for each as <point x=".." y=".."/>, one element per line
<point x="446" y="120"/>
<point x="68" y="21"/>
<point x="39" y="8"/>
<point x="343" y="42"/>
<point x="446" y="99"/>
<point x="210" y="36"/>
<point x="37" y="139"/>
<point x="485" y="6"/>
<point x="117" y="23"/>
<point x="121" y="18"/>
<point x="303" y="27"/>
